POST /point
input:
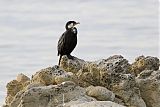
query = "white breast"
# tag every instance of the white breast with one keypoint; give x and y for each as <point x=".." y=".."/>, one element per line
<point x="74" y="30"/>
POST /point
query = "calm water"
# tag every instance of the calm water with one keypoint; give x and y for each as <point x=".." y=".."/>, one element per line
<point x="29" y="31"/>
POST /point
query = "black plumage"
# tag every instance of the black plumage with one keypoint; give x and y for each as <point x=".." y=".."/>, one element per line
<point x="68" y="40"/>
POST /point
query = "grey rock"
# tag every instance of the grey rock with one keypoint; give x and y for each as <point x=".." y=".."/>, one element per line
<point x="97" y="104"/>
<point x="148" y="82"/>
<point x="100" y="93"/>
<point x="50" y="96"/>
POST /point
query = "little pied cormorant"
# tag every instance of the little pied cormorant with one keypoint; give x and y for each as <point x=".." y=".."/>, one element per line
<point x="68" y="41"/>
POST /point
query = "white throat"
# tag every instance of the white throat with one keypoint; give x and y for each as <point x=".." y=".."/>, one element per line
<point x="74" y="30"/>
<point x="70" y="25"/>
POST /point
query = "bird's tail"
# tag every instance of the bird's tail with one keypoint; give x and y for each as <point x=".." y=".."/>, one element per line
<point x="60" y="60"/>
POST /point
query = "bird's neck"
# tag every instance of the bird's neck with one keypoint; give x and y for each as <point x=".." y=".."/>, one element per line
<point x="74" y="30"/>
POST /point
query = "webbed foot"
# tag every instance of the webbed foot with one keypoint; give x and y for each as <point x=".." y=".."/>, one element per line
<point x="70" y="57"/>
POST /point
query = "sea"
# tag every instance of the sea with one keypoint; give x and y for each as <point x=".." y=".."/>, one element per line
<point x="30" y="29"/>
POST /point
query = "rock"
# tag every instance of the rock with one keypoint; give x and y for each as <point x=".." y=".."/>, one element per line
<point x="85" y="76"/>
<point x="68" y="76"/>
<point x="96" y="104"/>
<point x="126" y="90"/>
<point x="46" y="76"/>
<point x="9" y="99"/>
<point x="49" y="96"/>
<point x="36" y="96"/>
<point x="52" y="75"/>
<point x="145" y="63"/>
<point x="31" y="85"/>
<point x="22" y="78"/>
<point x="25" y="84"/>
<point x="112" y="73"/>
<point x="15" y="86"/>
<point x="119" y="101"/>
<point x="12" y="88"/>
<point x="98" y="72"/>
<point x="79" y="83"/>
<point x="5" y="106"/>
<point x="71" y="103"/>
<point x="148" y="82"/>
<point x="16" y="99"/>
<point x="100" y="93"/>
<point x="112" y="69"/>
<point x="70" y="65"/>
<point x="77" y="95"/>
<point x="115" y="63"/>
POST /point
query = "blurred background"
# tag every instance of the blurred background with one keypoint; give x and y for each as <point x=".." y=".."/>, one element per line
<point x="30" y="29"/>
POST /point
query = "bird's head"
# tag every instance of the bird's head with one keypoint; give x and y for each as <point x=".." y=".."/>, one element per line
<point x="71" y="24"/>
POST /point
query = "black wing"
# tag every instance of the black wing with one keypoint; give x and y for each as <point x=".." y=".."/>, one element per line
<point x="61" y="43"/>
<point x="67" y="43"/>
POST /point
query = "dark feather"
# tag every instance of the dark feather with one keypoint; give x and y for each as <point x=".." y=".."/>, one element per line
<point x="67" y="42"/>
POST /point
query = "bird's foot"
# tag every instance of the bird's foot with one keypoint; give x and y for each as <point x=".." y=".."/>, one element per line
<point x="70" y="57"/>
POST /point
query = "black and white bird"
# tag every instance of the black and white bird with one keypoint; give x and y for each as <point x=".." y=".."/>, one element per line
<point x="68" y="41"/>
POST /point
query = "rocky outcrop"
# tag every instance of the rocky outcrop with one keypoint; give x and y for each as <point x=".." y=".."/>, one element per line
<point x="78" y="83"/>
<point x="112" y="73"/>
<point x="49" y="96"/>
<point x="148" y="82"/>
<point x="145" y="63"/>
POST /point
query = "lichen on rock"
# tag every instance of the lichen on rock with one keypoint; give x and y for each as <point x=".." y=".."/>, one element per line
<point x="145" y="63"/>
<point x="52" y="75"/>
<point x="13" y="88"/>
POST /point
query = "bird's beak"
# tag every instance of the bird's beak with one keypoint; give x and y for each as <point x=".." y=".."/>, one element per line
<point x="77" y="23"/>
